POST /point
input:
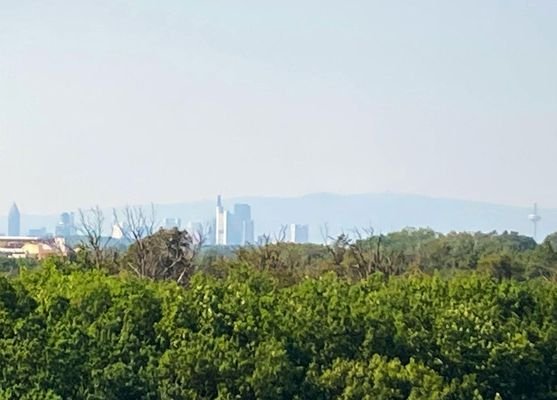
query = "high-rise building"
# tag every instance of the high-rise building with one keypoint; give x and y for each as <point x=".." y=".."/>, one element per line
<point x="298" y="233"/>
<point x="14" y="221"/>
<point x="221" y="224"/>
<point x="235" y="228"/>
<point x="66" y="225"/>
<point x="241" y="226"/>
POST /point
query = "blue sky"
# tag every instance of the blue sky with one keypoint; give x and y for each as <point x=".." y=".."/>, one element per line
<point x="115" y="102"/>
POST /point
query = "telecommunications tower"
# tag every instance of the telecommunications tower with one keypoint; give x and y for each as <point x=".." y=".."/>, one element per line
<point x="535" y="218"/>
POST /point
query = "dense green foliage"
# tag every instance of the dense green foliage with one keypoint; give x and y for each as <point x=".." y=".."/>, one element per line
<point x="412" y="314"/>
<point x="11" y="266"/>
<point x="69" y="333"/>
<point x="502" y="255"/>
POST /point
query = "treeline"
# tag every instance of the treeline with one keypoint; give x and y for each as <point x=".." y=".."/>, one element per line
<point x="71" y="334"/>
<point x="408" y="315"/>
<point x="503" y="255"/>
<point x="177" y="255"/>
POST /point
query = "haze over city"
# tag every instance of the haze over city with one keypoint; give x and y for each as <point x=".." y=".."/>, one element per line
<point x="174" y="102"/>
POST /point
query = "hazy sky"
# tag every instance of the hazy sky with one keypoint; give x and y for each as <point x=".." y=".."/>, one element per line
<point x="115" y="102"/>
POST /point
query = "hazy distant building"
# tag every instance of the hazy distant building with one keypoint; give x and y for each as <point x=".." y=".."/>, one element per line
<point x="235" y="228"/>
<point x="170" y="223"/>
<point x="14" y="221"/>
<point x="38" y="232"/>
<point x="210" y="233"/>
<point x="199" y="233"/>
<point x="66" y="225"/>
<point x="241" y="225"/>
<point x="298" y="233"/>
<point x="221" y="224"/>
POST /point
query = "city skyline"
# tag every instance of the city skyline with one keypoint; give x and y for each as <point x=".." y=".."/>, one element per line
<point x="384" y="213"/>
<point x="439" y="99"/>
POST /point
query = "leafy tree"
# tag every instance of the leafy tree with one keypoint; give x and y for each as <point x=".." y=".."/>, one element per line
<point x="167" y="254"/>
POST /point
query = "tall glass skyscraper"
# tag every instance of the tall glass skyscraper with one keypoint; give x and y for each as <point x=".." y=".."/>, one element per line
<point x="233" y="228"/>
<point x="14" y="221"/>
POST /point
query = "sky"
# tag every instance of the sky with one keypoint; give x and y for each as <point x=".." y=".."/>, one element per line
<point x="116" y="102"/>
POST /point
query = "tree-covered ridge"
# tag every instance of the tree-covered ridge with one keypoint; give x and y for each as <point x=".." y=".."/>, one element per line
<point x="69" y="333"/>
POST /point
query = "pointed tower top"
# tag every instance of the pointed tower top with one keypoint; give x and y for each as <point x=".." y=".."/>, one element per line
<point x="14" y="208"/>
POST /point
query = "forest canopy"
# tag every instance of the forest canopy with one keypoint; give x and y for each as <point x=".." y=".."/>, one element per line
<point x="409" y="315"/>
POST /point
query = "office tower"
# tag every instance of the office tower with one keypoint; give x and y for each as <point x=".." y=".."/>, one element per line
<point x="240" y="226"/>
<point x="235" y="228"/>
<point x="221" y="224"/>
<point x="170" y="223"/>
<point x="243" y="224"/>
<point x="14" y="221"/>
<point x="66" y="225"/>
<point x="298" y="233"/>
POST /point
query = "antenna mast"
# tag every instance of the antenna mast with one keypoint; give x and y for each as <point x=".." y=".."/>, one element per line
<point x="535" y="218"/>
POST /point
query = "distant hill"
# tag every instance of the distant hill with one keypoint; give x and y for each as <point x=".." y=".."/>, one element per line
<point x="384" y="212"/>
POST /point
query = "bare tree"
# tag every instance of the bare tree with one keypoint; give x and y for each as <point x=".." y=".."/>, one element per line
<point x="280" y="236"/>
<point x="324" y="230"/>
<point x="368" y="255"/>
<point x="199" y="238"/>
<point x="338" y="247"/>
<point x="264" y="240"/>
<point x="266" y="255"/>
<point x="91" y="228"/>
<point x="136" y="226"/>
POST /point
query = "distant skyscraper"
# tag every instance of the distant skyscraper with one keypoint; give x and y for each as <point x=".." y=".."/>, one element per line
<point x="235" y="228"/>
<point x="242" y="225"/>
<point x="221" y="224"/>
<point x="66" y="225"/>
<point x="298" y="233"/>
<point x="14" y="221"/>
